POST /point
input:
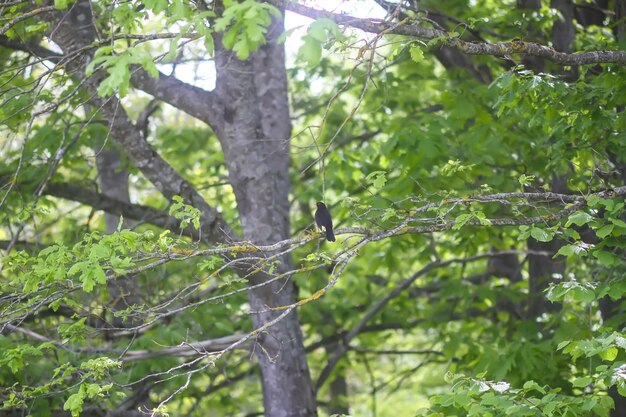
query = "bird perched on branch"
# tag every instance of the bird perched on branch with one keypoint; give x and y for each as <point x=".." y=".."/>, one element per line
<point x="322" y="218"/>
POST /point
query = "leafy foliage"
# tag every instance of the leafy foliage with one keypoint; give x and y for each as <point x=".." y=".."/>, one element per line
<point x="479" y="266"/>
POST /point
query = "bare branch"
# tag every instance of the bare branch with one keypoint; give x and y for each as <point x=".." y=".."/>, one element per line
<point x="204" y="347"/>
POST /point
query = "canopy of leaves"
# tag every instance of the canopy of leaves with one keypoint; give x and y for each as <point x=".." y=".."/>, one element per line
<point x="478" y="202"/>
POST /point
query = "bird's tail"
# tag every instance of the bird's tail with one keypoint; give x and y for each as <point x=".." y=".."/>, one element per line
<point x="330" y="236"/>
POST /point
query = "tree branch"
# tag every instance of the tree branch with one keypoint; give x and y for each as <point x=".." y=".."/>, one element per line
<point x="397" y="352"/>
<point x="116" y="207"/>
<point x="72" y="38"/>
<point x="31" y="48"/>
<point x="414" y="29"/>
<point x="195" y="101"/>
<point x="25" y="16"/>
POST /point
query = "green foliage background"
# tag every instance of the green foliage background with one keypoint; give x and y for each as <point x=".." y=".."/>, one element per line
<point x="379" y="131"/>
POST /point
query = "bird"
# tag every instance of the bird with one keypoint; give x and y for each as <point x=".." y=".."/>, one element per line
<point x="322" y="218"/>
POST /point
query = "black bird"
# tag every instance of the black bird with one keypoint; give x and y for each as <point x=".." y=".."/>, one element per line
<point x="322" y="218"/>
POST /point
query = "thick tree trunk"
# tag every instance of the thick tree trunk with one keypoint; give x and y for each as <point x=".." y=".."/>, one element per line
<point x="531" y="34"/>
<point x="563" y="30"/>
<point x="255" y="139"/>
<point x="620" y="14"/>
<point x="563" y="35"/>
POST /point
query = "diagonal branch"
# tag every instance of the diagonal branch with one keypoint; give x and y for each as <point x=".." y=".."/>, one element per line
<point x="195" y="101"/>
<point x="160" y="173"/>
<point x="116" y="207"/>
<point x="24" y="16"/>
<point x="412" y="28"/>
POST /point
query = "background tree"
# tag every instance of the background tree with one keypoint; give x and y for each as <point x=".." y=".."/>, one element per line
<point x="472" y="157"/>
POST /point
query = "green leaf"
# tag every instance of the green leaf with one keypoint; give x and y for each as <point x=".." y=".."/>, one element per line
<point x="395" y="51"/>
<point x="389" y="214"/>
<point x="609" y="354"/>
<point x="61" y="4"/>
<point x="575" y="249"/>
<point x="540" y="234"/>
<point x="416" y="52"/>
<point x="317" y="31"/>
<point x="310" y="51"/>
<point x="582" y="382"/>
<point x="571" y="234"/>
<point x="229" y="39"/>
<point x="618" y="223"/>
<point x="579" y="292"/>
<point x="605" y="230"/>
<point x="482" y="218"/>
<point x="77" y="267"/>
<point x="567" y="250"/>
<point x="532" y="385"/>
<point x="556" y="292"/>
<point x="74" y="403"/>
<point x="99" y="275"/>
<point x="185" y="212"/>
<point x="100" y="251"/>
<point x="322" y="28"/>
<point x="593" y="200"/>
<point x="525" y="180"/>
<point x="88" y="281"/>
<point x="609" y="204"/>
<point x="157" y="6"/>
<point x="286" y="34"/>
<point x="548" y="410"/>
<point x="377" y="179"/>
<point x="563" y="344"/>
<point x="462" y="399"/>
<point x="579" y="218"/>
<point x="606" y="258"/>
<point x="454" y="166"/>
<point x="244" y="25"/>
<point x="74" y="330"/>
<point x="461" y="220"/>
<point x="242" y="49"/>
<point x="583" y="294"/>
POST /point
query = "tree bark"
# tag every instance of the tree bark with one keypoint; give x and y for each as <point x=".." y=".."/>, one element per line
<point x="533" y="62"/>
<point x="564" y="33"/>
<point x="113" y="181"/>
<point x="255" y="138"/>
<point x="338" y="388"/>
<point x="620" y="14"/>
